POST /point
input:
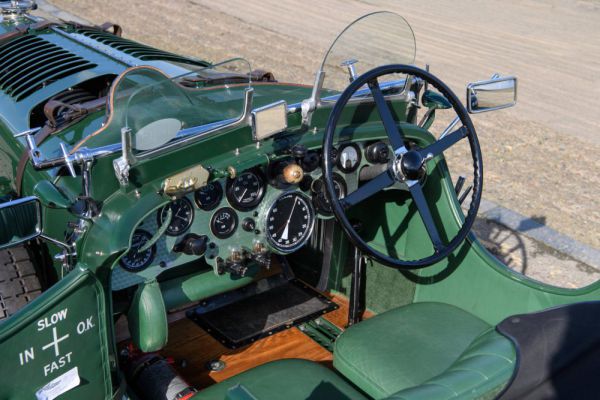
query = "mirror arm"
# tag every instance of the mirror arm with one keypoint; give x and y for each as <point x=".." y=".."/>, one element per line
<point x="68" y="257"/>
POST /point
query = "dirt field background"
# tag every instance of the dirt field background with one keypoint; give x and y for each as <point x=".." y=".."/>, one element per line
<point x="541" y="158"/>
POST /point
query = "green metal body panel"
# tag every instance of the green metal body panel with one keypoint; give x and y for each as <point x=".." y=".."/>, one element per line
<point x="64" y="328"/>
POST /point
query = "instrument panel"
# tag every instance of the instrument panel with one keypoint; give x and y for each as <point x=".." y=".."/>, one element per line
<point x="237" y="220"/>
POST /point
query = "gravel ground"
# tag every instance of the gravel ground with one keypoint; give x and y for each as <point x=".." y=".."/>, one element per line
<point x="540" y="157"/>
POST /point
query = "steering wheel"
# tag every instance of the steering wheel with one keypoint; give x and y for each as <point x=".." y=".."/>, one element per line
<point x="406" y="168"/>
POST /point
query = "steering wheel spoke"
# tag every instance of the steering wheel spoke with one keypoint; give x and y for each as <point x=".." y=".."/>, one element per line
<point x="444" y="143"/>
<point x="369" y="189"/>
<point x="419" y="198"/>
<point x="394" y="133"/>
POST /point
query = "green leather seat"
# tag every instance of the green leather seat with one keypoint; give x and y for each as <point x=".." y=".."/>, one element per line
<point x="425" y="351"/>
<point x="290" y="379"/>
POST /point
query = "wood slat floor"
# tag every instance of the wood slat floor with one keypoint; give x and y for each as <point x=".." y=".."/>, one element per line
<point x="192" y="349"/>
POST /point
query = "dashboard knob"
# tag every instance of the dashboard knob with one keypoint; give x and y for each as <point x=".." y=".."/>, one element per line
<point x="377" y="153"/>
<point x="299" y="151"/>
<point x="293" y="174"/>
<point x="192" y="244"/>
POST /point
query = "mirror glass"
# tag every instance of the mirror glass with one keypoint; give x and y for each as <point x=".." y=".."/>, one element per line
<point x="20" y="221"/>
<point x="490" y="95"/>
<point x="269" y="120"/>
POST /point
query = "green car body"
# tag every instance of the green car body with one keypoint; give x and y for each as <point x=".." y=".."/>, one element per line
<point x="72" y="323"/>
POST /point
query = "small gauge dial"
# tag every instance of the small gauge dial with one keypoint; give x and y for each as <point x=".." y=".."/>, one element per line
<point x="320" y="199"/>
<point x="290" y="222"/>
<point x="182" y="215"/>
<point x="224" y="222"/>
<point x="136" y="260"/>
<point x="349" y="158"/>
<point x="246" y="190"/>
<point x="208" y="197"/>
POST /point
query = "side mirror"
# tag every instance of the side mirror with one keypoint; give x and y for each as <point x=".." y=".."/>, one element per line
<point x="20" y="221"/>
<point x="269" y="120"/>
<point x="490" y="95"/>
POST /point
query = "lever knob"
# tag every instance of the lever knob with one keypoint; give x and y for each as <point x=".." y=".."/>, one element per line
<point x="293" y="173"/>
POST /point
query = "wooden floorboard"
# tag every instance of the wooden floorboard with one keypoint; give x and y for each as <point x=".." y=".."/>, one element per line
<point x="190" y="343"/>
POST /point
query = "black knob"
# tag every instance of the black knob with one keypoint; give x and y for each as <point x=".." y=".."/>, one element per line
<point x="192" y="245"/>
<point x="248" y="224"/>
<point x="412" y="163"/>
<point x="377" y="153"/>
<point x="299" y="151"/>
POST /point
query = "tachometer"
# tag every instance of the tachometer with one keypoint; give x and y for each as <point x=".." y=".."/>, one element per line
<point x="182" y="215"/>
<point x="246" y="190"/>
<point x="136" y="259"/>
<point x="208" y="197"/>
<point x="290" y="222"/>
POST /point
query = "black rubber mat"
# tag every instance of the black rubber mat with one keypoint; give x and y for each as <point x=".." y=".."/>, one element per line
<point x="255" y="312"/>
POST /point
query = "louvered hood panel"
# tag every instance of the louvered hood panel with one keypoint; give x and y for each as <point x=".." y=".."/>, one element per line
<point x="30" y="63"/>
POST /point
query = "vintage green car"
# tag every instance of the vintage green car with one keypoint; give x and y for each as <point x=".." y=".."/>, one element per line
<point x="173" y="229"/>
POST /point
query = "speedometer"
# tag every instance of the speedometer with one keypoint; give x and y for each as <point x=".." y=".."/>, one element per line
<point x="246" y="191"/>
<point x="290" y="222"/>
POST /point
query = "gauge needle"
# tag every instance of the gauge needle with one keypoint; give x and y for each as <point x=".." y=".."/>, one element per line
<point x="242" y="196"/>
<point x="284" y="235"/>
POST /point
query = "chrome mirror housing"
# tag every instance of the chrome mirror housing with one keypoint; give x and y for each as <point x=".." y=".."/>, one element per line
<point x="493" y="94"/>
<point x="20" y="221"/>
<point x="269" y="120"/>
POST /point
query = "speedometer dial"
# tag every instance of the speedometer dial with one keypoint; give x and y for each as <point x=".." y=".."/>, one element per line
<point x="246" y="190"/>
<point x="182" y="215"/>
<point x="136" y="260"/>
<point x="290" y="221"/>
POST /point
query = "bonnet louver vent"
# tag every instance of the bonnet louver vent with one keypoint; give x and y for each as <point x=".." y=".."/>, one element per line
<point x="137" y="50"/>
<point x="29" y="63"/>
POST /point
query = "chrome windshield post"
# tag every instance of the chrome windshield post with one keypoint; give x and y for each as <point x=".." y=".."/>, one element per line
<point x="310" y="105"/>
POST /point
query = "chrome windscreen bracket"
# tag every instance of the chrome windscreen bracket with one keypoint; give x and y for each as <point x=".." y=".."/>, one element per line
<point x="309" y="105"/>
<point x="122" y="165"/>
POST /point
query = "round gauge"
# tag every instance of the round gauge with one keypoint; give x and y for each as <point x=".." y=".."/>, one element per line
<point x="348" y="158"/>
<point x="136" y="260"/>
<point x="224" y="222"/>
<point x="208" y="197"/>
<point x="290" y="221"/>
<point x="320" y="199"/>
<point x="182" y="215"/>
<point x="246" y="190"/>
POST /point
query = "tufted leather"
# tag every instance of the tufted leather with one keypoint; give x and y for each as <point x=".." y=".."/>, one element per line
<point x="425" y="351"/>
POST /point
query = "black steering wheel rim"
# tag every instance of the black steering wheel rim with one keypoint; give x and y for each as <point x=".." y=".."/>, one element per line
<point x="468" y="131"/>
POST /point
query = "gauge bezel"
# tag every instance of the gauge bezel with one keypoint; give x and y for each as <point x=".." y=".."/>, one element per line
<point x="235" y="219"/>
<point x="189" y="223"/>
<point x="340" y="150"/>
<point x="152" y="249"/>
<point x="214" y="205"/>
<point x="276" y="246"/>
<point x="231" y="196"/>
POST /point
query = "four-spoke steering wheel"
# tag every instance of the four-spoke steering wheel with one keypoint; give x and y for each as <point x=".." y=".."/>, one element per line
<point x="406" y="167"/>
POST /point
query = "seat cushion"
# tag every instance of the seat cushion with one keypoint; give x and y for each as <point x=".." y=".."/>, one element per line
<point x="289" y="379"/>
<point x="425" y="350"/>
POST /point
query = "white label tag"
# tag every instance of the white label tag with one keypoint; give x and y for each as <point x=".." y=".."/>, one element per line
<point x="60" y="385"/>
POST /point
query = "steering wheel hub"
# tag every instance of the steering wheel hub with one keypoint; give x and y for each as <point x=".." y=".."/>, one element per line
<point x="412" y="165"/>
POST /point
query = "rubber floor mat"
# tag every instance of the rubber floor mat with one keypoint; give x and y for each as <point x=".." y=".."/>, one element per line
<point x="261" y="313"/>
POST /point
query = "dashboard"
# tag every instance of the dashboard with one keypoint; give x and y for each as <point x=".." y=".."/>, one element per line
<point x="236" y="221"/>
